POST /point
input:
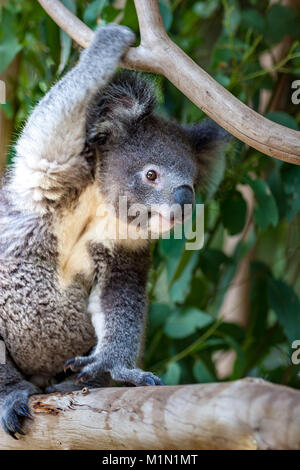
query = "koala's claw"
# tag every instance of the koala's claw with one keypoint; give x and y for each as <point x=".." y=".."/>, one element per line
<point x="13" y="414"/>
<point x="76" y="363"/>
<point x="24" y="411"/>
<point x="92" y="366"/>
<point x="83" y="377"/>
<point x="137" y="377"/>
<point x="150" y="380"/>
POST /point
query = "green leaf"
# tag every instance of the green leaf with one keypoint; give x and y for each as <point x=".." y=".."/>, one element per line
<point x="8" y="109"/>
<point x="221" y="78"/>
<point x="234" y="212"/>
<point x="184" y="323"/>
<point x="9" y="44"/>
<point x="271" y="247"/>
<point x="166" y="13"/>
<point x="266" y="212"/>
<point x="172" y="249"/>
<point x="232" y="330"/>
<point x="65" y="39"/>
<point x="290" y="175"/>
<point x="71" y="5"/>
<point x="240" y="362"/>
<point x="52" y="32"/>
<point x="221" y="55"/>
<point x="232" y="18"/>
<point x="160" y="288"/>
<point x="180" y="287"/>
<point x="130" y="18"/>
<point x="172" y="375"/>
<point x="258" y="312"/>
<point x="158" y="313"/>
<point x="200" y="291"/>
<point x="92" y="12"/>
<point x="253" y="19"/>
<point x="109" y="14"/>
<point x="9" y="48"/>
<point x="205" y="9"/>
<point x="285" y="303"/>
<point x="284" y="119"/>
<point x="66" y="46"/>
<point x="202" y="373"/>
<point x="277" y="187"/>
<point x="211" y="261"/>
<point x="278" y="22"/>
<point x="291" y="178"/>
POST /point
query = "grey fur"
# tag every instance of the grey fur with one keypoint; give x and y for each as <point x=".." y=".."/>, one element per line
<point x="90" y="129"/>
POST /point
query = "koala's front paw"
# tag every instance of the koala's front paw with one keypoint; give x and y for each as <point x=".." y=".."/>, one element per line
<point x="135" y="376"/>
<point x="111" y="39"/>
<point x="91" y="366"/>
<point x="14" y="410"/>
<point x="116" y="32"/>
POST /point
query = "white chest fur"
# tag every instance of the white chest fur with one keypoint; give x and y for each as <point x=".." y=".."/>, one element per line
<point x="76" y="228"/>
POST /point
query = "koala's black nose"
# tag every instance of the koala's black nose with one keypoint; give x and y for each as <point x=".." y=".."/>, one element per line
<point x="184" y="195"/>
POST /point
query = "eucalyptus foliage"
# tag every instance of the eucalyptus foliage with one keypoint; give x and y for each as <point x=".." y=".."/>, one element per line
<point x="187" y="288"/>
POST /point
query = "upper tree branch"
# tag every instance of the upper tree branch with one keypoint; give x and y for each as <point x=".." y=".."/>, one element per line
<point x="157" y="53"/>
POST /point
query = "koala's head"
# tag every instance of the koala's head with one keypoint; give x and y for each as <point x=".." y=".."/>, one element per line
<point x="156" y="164"/>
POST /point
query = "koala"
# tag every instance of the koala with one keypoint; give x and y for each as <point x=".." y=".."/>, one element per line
<point x="72" y="295"/>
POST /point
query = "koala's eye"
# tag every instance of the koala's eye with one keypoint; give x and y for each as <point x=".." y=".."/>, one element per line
<point x="151" y="175"/>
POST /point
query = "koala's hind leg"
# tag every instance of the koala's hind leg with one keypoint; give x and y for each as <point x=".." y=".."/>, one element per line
<point x="14" y="394"/>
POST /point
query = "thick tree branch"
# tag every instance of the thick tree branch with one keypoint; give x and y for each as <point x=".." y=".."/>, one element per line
<point x="158" y="54"/>
<point x="247" y="414"/>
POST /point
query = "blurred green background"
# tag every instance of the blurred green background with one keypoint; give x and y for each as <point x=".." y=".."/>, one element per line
<point x="231" y="309"/>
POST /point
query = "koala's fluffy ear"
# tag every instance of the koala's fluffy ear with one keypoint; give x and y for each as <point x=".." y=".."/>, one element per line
<point x="119" y="107"/>
<point x="207" y="139"/>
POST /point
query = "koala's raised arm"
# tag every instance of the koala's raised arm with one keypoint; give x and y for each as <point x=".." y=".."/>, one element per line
<point x="48" y="153"/>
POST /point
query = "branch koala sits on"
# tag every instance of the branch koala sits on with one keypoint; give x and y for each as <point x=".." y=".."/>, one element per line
<point x="71" y="295"/>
